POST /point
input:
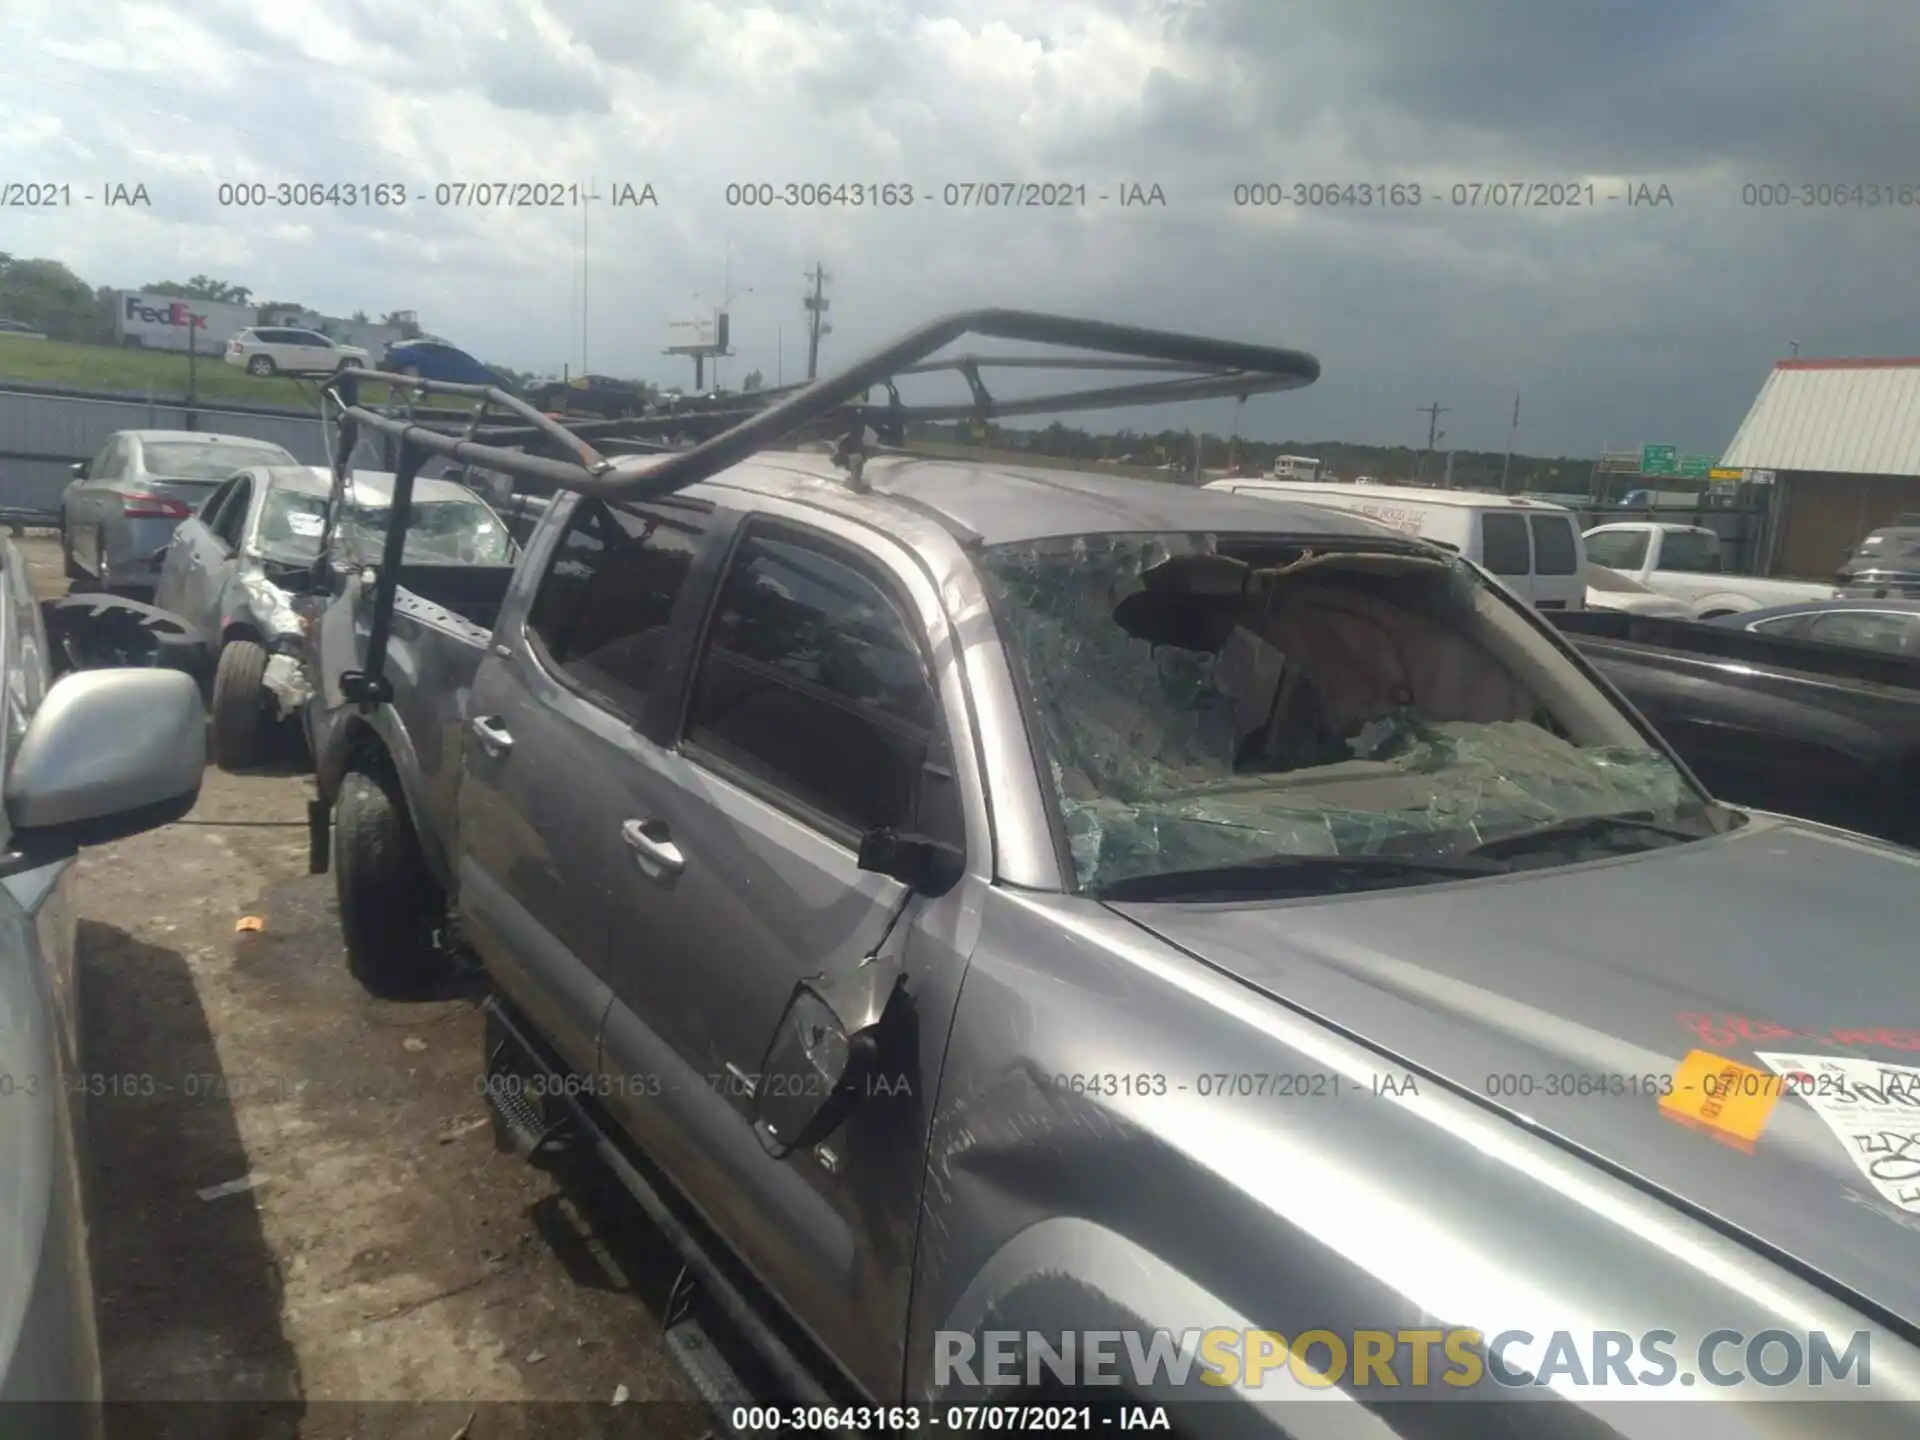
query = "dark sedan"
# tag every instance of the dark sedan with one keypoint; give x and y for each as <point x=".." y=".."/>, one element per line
<point x="437" y="360"/>
<point x="1890" y="627"/>
<point x="1885" y="565"/>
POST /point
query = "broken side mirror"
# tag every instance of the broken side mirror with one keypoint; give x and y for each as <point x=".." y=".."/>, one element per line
<point x="923" y="864"/>
<point x="812" y="1073"/>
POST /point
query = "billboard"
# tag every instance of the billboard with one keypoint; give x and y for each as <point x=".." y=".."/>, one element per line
<point x="162" y="322"/>
<point x="708" y="333"/>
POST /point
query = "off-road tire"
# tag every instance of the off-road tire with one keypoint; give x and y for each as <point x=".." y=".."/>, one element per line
<point x="390" y="906"/>
<point x="262" y="366"/>
<point x="75" y="575"/>
<point x="238" y="705"/>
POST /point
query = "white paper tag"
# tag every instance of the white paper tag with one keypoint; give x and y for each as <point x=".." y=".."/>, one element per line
<point x="1872" y="1107"/>
<point x="306" y="524"/>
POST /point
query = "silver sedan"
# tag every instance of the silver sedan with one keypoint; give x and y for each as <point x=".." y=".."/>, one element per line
<point x="120" y="512"/>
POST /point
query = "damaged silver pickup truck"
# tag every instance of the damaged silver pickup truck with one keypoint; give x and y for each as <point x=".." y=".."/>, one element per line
<point x="1028" y="935"/>
<point x="243" y="573"/>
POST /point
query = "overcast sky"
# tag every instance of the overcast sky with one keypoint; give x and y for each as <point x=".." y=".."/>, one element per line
<point x="1620" y="325"/>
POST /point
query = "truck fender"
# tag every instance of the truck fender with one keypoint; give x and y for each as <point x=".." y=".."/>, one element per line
<point x="1071" y="1276"/>
<point x="381" y="729"/>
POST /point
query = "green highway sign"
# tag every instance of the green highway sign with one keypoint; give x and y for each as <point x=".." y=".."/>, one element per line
<point x="1658" y="459"/>
<point x="1696" y="465"/>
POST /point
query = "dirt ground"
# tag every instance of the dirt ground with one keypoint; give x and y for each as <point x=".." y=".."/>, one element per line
<point x="299" y="1210"/>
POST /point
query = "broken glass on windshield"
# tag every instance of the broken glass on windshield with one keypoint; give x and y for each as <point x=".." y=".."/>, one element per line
<point x="1213" y="703"/>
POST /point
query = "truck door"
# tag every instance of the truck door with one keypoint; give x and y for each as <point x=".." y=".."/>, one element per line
<point x="813" y="716"/>
<point x="1557" y="584"/>
<point x="1507" y="550"/>
<point x="531" y="881"/>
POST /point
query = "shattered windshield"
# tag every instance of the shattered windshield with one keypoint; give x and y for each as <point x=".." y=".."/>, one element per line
<point x="439" y="532"/>
<point x="460" y="531"/>
<point x="206" y="460"/>
<point x="1213" y="703"/>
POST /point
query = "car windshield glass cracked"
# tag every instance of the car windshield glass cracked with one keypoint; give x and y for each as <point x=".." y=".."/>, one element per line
<point x="1305" y="705"/>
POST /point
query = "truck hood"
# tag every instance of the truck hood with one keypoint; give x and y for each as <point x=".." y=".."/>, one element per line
<point x="1780" y="939"/>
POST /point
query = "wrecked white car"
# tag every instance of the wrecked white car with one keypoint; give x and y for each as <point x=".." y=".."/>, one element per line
<point x="243" y="573"/>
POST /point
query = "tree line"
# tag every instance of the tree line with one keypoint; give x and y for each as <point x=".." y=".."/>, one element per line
<point x="1389" y="464"/>
<point x="54" y="300"/>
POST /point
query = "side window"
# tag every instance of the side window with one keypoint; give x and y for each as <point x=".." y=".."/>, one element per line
<point x="233" y="515"/>
<point x="1785" y="627"/>
<point x="108" y="464"/>
<point x="812" y="682"/>
<point x="601" y="612"/>
<point x="1503" y="543"/>
<point x="1618" y="549"/>
<point x="210" y="507"/>
<point x="1689" y="551"/>
<point x="1863" y="630"/>
<point x="1554" y="552"/>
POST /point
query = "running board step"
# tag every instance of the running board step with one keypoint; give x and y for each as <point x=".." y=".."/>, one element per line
<point x="519" y="1118"/>
<point x="717" y="1383"/>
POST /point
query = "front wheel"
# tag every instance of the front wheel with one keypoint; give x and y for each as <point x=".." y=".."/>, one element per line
<point x="391" y="909"/>
<point x="75" y="575"/>
<point x="261" y="365"/>
<point x="239" y="705"/>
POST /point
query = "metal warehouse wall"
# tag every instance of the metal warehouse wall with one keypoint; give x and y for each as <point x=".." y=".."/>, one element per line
<point x="42" y="434"/>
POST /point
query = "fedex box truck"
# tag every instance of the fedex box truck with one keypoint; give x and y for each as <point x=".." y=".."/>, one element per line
<point x="165" y="322"/>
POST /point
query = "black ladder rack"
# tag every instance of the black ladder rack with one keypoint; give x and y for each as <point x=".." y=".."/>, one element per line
<point x="536" y="448"/>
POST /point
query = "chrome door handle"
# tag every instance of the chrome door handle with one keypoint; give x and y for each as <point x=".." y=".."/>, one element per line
<point x="654" y="853"/>
<point x="494" y="737"/>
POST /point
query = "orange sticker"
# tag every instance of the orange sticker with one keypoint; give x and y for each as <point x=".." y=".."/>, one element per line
<point x="1712" y="1090"/>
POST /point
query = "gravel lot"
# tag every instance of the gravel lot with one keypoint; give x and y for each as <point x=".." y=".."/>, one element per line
<point x="379" y="1248"/>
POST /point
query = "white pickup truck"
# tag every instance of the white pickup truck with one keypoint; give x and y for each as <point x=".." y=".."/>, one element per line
<point x="1685" y="561"/>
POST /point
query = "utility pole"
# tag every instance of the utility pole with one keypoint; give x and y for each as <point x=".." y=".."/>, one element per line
<point x="1433" y="413"/>
<point x="816" y="307"/>
<point x="1507" y="464"/>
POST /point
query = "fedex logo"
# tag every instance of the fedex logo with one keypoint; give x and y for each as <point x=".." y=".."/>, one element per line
<point x="172" y="313"/>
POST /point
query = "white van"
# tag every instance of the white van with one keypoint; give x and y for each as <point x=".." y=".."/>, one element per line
<point x="1533" y="547"/>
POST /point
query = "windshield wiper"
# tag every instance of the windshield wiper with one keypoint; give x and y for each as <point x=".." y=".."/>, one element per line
<point x="1585" y="827"/>
<point x="1283" y="874"/>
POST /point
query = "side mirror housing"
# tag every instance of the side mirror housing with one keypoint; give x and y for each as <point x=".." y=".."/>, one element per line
<point x="812" y="1073"/>
<point x="109" y="753"/>
<point x="78" y="469"/>
<point x="926" y="865"/>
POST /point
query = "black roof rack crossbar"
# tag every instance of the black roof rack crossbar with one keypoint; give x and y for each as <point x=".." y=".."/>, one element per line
<point x="1200" y="368"/>
<point x="1208" y="368"/>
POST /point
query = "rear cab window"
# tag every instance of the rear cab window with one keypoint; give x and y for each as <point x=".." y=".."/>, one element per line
<point x="1618" y="549"/>
<point x="1689" y="552"/>
<point x="600" y="618"/>
<point x="815" y="692"/>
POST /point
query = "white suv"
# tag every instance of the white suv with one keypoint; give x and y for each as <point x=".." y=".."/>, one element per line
<point x="273" y="349"/>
